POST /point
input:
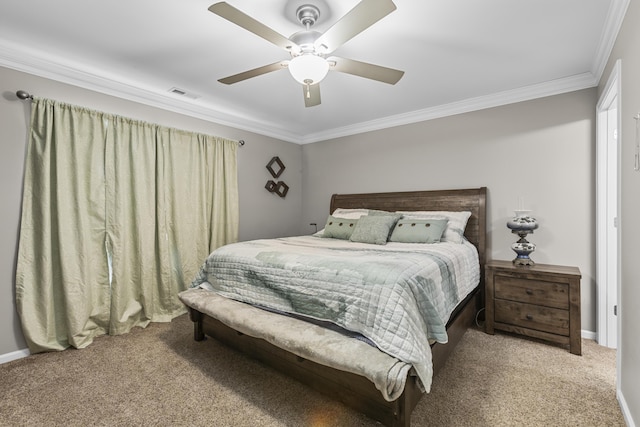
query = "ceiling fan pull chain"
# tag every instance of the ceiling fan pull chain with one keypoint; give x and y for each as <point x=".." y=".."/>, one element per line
<point x="308" y="82"/>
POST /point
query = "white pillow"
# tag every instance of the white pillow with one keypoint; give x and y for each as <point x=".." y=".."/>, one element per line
<point x="455" y="227"/>
<point x="350" y="213"/>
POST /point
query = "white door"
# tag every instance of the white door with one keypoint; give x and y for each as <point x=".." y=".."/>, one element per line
<point x="607" y="201"/>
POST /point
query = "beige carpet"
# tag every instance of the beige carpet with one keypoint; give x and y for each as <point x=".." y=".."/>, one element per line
<point x="159" y="376"/>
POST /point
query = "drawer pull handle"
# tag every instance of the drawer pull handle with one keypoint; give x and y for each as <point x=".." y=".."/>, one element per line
<point x="529" y="291"/>
<point x="529" y="317"/>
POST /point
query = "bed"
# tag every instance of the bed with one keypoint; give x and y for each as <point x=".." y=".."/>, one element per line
<point x="322" y="357"/>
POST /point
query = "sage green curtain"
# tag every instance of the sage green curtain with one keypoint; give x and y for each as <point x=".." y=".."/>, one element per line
<point x="118" y="215"/>
<point x="62" y="273"/>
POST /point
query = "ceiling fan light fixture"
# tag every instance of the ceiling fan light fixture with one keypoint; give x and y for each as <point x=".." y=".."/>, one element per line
<point x="308" y="68"/>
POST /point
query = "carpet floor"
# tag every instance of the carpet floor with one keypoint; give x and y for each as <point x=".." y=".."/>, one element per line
<point x="159" y="376"/>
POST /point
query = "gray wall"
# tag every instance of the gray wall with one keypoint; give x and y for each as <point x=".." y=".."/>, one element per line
<point x="542" y="150"/>
<point x="626" y="49"/>
<point x="262" y="214"/>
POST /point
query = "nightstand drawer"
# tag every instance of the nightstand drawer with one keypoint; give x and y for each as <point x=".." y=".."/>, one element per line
<point x="532" y="291"/>
<point x="531" y="316"/>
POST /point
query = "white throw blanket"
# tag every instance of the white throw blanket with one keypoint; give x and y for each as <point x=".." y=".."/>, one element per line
<point x="304" y="339"/>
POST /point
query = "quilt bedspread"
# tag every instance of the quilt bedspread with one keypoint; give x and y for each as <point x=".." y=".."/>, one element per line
<point x="398" y="295"/>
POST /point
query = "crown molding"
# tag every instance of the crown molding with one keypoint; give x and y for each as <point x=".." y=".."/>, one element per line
<point x="554" y="87"/>
<point x="80" y="75"/>
<point x="612" y="25"/>
<point x="37" y="63"/>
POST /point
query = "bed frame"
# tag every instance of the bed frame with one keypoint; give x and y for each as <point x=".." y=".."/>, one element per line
<point x="353" y="390"/>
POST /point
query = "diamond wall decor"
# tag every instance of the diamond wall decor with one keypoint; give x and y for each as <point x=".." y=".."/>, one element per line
<point x="278" y="163"/>
<point x="275" y="168"/>
<point x="281" y="189"/>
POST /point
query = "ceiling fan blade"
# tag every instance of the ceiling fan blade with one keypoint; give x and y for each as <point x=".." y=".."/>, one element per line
<point x="243" y="20"/>
<point x="366" y="70"/>
<point x="254" y="73"/>
<point x="311" y="95"/>
<point x="358" y="19"/>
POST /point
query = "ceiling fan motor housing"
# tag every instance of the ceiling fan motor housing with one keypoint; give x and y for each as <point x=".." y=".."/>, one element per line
<point x="307" y="66"/>
<point x="307" y="14"/>
<point x="305" y="39"/>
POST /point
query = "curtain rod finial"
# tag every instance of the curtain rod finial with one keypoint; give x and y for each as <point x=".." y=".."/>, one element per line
<point x="23" y="95"/>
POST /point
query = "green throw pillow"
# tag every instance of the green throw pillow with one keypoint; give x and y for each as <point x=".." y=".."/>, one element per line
<point x="373" y="229"/>
<point x="418" y="230"/>
<point x="454" y="232"/>
<point x="339" y="228"/>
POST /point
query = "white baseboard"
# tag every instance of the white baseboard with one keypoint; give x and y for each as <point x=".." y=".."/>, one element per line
<point x="4" y="358"/>
<point x="625" y="409"/>
<point x="590" y="335"/>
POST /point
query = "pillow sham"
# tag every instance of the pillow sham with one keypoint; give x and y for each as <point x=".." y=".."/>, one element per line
<point x="418" y="230"/>
<point x="339" y="228"/>
<point x="374" y="229"/>
<point x="457" y="222"/>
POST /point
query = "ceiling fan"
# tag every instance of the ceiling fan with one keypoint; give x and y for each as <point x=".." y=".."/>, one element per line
<point x="309" y="49"/>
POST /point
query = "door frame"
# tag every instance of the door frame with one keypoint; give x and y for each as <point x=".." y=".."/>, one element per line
<point x="608" y="324"/>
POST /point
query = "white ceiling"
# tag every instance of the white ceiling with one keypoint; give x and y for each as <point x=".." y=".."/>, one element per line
<point x="458" y="55"/>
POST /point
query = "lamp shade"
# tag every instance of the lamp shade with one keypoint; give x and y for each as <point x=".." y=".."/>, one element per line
<point x="308" y="68"/>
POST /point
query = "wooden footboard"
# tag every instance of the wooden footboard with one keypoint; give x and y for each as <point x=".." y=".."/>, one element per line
<point x="353" y="390"/>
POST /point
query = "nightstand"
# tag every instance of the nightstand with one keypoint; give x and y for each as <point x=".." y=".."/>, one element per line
<point x="540" y="301"/>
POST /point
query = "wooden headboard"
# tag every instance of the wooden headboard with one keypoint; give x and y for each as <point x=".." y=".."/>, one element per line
<point x="473" y="200"/>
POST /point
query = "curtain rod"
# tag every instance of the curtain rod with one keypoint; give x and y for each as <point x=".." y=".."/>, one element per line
<point x="23" y="94"/>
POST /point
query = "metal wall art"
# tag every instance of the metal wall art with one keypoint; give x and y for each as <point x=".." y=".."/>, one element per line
<point x="275" y="168"/>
